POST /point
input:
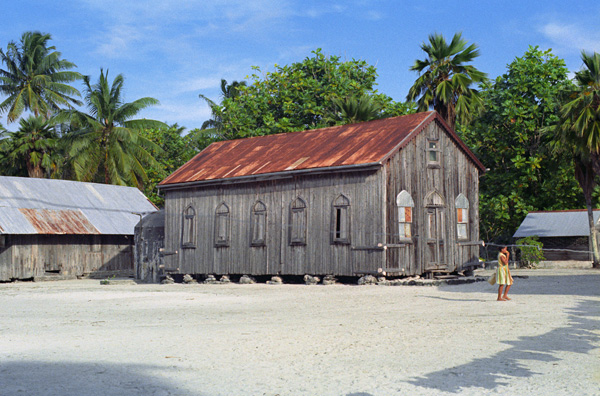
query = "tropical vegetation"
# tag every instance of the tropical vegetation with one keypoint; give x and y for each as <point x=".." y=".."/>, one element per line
<point x="509" y="138"/>
<point x="228" y="91"/>
<point x="578" y="134"/>
<point x="106" y="145"/>
<point x="33" y="145"/>
<point x="35" y="78"/>
<point x="300" y="96"/>
<point x="446" y="80"/>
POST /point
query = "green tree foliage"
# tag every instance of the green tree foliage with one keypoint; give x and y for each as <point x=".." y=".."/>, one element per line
<point x="299" y="96"/>
<point x="509" y="139"/>
<point x="173" y="151"/>
<point x="531" y="251"/>
<point x="446" y="81"/>
<point x="106" y="146"/>
<point x="35" y="78"/>
<point x="578" y="134"/>
<point x="35" y="147"/>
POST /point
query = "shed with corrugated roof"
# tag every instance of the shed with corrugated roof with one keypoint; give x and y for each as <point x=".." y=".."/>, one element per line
<point x="394" y="196"/>
<point x="66" y="228"/>
<point x="565" y="234"/>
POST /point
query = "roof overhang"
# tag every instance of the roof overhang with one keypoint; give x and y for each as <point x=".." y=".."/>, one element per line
<point x="273" y="176"/>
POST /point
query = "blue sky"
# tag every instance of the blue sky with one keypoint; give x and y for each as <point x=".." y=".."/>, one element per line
<point x="173" y="50"/>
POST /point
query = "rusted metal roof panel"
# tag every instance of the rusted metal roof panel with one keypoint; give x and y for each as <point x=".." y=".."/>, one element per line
<point x="345" y="145"/>
<point x="32" y="206"/>
<point x="50" y="221"/>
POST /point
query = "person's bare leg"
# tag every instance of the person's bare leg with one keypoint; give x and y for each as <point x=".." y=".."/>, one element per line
<point x="500" y="288"/>
<point x="506" y="292"/>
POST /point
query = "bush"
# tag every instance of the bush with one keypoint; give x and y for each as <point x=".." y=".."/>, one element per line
<point x="531" y="251"/>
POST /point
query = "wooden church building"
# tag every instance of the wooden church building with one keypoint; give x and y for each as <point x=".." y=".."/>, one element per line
<point x="396" y="196"/>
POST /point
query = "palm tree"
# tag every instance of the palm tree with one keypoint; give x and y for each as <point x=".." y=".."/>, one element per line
<point x="579" y="133"/>
<point x="445" y="79"/>
<point x="35" y="78"/>
<point x="34" y="144"/>
<point x="227" y="91"/>
<point x="356" y="109"/>
<point x="106" y="146"/>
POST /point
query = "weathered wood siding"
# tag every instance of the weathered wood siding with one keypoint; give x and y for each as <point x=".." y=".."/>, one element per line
<point x="28" y="256"/>
<point x="148" y="240"/>
<point x="409" y="170"/>
<point x="364" y="190"/>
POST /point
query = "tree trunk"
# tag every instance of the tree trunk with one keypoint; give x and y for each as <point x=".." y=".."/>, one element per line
<point x="34" y="170"/>
<point x="593" y="235"/>
<point x="584" y="173"/>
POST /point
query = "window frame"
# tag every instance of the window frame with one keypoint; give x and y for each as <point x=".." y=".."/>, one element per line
<point x="297" y="222"/>
<point x="188" y="228"/>
<point x="222" y="220"/>
<point x="462" y="206"/>
<point x="340" y="221"/>
<point x="436" y="150"/>
<point x="405" y="205"/>
<point x="258" y="225"/>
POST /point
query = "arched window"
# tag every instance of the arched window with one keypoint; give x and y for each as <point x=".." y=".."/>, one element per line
<point x="258" y="223"/>
<point x="405" y="205"/>
<point x="340" y="220"/>
<point x="434" y="199"/>
<point x="188" y="230"/>
<point x="222" y="225"/>
<point x="462" y="216"/>
<point x="297" y="235"/>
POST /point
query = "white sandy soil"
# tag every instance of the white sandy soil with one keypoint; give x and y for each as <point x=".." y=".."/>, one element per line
<point x="82" y="338"/>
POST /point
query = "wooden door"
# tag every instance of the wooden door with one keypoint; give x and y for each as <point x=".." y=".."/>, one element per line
<point x="436" y="238"/>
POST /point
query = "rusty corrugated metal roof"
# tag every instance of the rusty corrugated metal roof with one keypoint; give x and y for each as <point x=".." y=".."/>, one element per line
<point x="344" y="145"/>
<point x="48" y="221"/>
<point x="44" y="206"/>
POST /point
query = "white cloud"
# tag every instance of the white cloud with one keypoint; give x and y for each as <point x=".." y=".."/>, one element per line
<point x="196" y="84"/>
<point x="374" y="15"/>
<point x="571" y="38"/>
<point x="118" y="41"/>
<point x="321" y="10"/>
<point x="185" y="113"/>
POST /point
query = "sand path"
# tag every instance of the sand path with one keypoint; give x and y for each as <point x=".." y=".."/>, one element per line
<point x="82" y="338"/>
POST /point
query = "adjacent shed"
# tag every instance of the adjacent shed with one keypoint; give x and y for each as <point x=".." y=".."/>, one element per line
<point x="149" y="244"/>
<point x="565" y="234"/>
<point x="60" y="227"/>
<point x="396" y="196"/>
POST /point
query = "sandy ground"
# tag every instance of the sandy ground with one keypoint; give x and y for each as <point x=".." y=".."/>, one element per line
<point x="83" y="338"/>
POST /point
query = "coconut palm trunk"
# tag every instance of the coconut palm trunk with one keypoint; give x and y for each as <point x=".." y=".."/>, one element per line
<point x="585" y="175"/>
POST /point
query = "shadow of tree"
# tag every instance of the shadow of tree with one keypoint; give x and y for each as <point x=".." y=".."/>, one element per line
<point x="87" y="378"/>
<point x="493" y="371"/>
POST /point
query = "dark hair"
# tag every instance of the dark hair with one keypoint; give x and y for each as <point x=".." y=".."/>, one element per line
<point x="502" y="247"/>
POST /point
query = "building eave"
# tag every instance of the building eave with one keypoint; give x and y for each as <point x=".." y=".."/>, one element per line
<point x="272" y="176"/>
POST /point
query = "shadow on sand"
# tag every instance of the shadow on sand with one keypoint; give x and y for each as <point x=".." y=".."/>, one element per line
<point x="584" y="285"/>
<point x="494" y="371"/>
<point x="76" y="379"/>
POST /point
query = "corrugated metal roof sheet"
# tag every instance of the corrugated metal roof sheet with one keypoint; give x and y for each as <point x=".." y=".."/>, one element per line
<point x="49" y="221"/>
<point x="355" y="144"/>
<point x="47" y="206"/>
<point x="565" y="223"/>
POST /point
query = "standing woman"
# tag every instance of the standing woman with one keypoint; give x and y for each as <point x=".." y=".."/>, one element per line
<point x="503" y="275"/>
